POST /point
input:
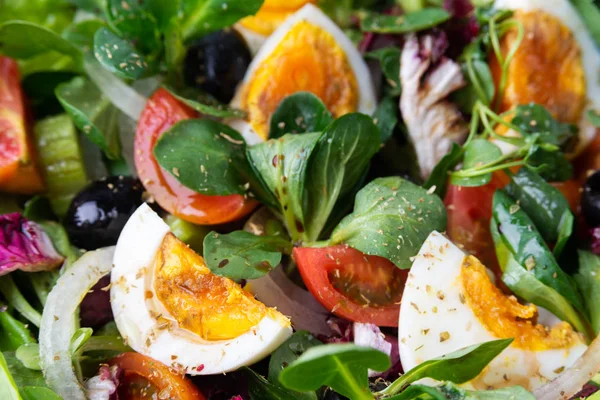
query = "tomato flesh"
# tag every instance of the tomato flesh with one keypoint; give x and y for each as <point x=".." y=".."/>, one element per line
<point x="353" y="285"/>
<point x="145" y="378"/>
<point x="18" y="170"/>
<point x="161" y="112"/>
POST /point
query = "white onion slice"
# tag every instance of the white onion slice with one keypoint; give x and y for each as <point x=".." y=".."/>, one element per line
<point x="306" y="313"/>
<point x="121" y="95"/>
<point x="570" y="381"/>
<point x="59" y="320"/>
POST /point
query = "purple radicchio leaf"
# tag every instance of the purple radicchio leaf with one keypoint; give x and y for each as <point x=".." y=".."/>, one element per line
<point x="24" y="245"/>
<point x="104" y="385"/>
<point x="595" y="240"/>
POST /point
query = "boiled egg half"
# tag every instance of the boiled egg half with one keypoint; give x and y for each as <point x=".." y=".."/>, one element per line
<point x="168" y="305"/>
<point x="557" y="64"/>
<point x="450" y="302"/>
<point x="308" y="52"/>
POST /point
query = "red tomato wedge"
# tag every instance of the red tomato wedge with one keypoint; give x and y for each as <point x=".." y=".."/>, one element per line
<point x="353" y="285"/>
<point x="18" y="169"/>
<point x="145" y="378"/>
<point x="161" y="112"/>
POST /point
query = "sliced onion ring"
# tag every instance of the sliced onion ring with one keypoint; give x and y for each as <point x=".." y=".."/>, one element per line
<point x="59" y="321"/>
<point x="571" y="380"/>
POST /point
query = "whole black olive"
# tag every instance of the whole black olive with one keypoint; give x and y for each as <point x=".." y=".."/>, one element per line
<point x="216" y="63"/>
<point x="590" y="200"/>
<point x="99" y="212"/>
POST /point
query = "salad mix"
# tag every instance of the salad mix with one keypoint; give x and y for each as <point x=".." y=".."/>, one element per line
<point x="301" y="199"/>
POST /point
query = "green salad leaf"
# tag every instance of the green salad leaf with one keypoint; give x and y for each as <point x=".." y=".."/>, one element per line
<point x="13" y="333"/>
<point x="337" y="163"/>
<point x="29" y="355"/>
<point x="386" y="118"/>
<point x="458" y="367"/>
<point x="594" y="117"/>
<point x="411" y="22"/>
<point x="477" y="152"/>
<point x="8" y="387"/>
<point x="535" y="119"/>
<point x="300" y="112"/>
<point x="588" y="281"/>
<point x="118" y="55"/>
<point x="203" y="104"/>
<point x="589" y="12"/>
<point x="22" y="375"/>
<point x="449" y="391"/>
<point x="131" y="19"/>
<point x="392" y="217"/>
<point x="242" y="255"/>
<point x="38" y="392"/>
<point x="205" y="156"/>
<point x="343" y="367"/>
<point x="92" y="113"/>
<point x="438" y="180"/>
<point x="550" y="165"/>
<point x="261" y="389"/>
<point x="389" y="58"/>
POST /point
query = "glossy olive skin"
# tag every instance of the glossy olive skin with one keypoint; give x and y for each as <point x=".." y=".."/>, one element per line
<point x="590" y="200"/>
<point x="99" y="212"/>
<point x="216" y="63"/>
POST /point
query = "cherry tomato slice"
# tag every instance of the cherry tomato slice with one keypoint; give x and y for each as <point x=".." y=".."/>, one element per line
<point x="353" y="285"/>
<point x="18" y="170"/>
<point x="145" y="378"/>
<point x="161" y="112"/>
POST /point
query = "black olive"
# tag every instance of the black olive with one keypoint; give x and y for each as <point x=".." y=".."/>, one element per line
<point x="590" y="200"/>
<point x="99" y="212"/>
<point x="216" y="63"/>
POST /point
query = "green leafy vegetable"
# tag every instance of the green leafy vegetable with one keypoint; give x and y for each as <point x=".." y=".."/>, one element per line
<point x="535" y="119"/>
<point x="458" y="367"/>
<point x="449" y="391"/>
<point x="480" y="84"/>
<point x="261" y="389"/>
<point x="386" y="118"/>
<point x="389" y="58"/>
<point x="588" y="281"/>
<point x="550" y="165"/>
<point x="392" y="218"/>
<point x="412" y="22"/>
<point x="337" y="163"/>
<point x="300" y="112"/>
<point x="92" y="113"/>
<point x="242" y="255"/>
<point x="205" y="105"/>
<point x="82" y="33"/>
<point x="13" y="333"/>
<point x="118" y="55"/>
<point x="8" y="387"/>
<point x="478" y="152"/>
<point x="591" y="17"/>
<point x="22" y="375"/>
<point x="15" y="298"/>
<point x="29" y="355"/>
<point x="134" y="23"/>
<point x="205" y="16"/>
<point x="594" y="118"/>
<point x="37" y="392"/>
<point x="438" y="180"/>
<point x="206" y="156"/>
<point x="343" y="367"/>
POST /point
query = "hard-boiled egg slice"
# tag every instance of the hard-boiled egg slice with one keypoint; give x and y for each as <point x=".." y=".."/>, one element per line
<point x="449" y="303"/>
<point x="256" y="28"/>
<point x="169" y="306"/>
<point x="308" y="52"/>
<point x="556" y="65"/>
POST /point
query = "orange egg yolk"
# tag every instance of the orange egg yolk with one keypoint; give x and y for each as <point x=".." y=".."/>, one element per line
<point x="307" y="59"/>
<point x="504" y="317"/>
<point x="213" y="307"/>
<point x="272" y="14"/>
<point x="547" y="68"/>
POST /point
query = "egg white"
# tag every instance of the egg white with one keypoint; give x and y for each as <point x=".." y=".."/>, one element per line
<point x="564" y="11"/>
<point x="432" y="309"/>
<point x="367" y="99"/>
<point x="132" y="277"/>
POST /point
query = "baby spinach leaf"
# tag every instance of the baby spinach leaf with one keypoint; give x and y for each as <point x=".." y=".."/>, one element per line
<point x="392" y="217"/>
<point x="386" y="118"/>
<point x="449" y="391"/>
<point x="261" y="389"/>
<point x="25" y="40"/>
<point x="389" y="58"/>
<point x="205" y="156"/>
<point x="164" y="12"/>
<point x="118" y="55"/>
<point x="588" y="11"/>
<point x="300" y="112"/>
<point x="92" y="113"/>
<point x="289" y="352"/>
<point x="205" y="16"/>
<point x="203" y="104"/>
<point x="82" y="33"/>
<point x="526" y="285"/>
<point x="477" y="153"/>
<point x="412" y="22"/>
<point x="480" y="85"/>
<point x="134" y="23"/>
<point x="8" y="387"/>
<point x="521" y="237"/>
<point x="536" y="119"/>
<point x="37" y="392"/>
<point x="550" y="165"/>
<point x="542" y="202"/>
<point x="343" y="367"/>
<point x="29" y="355"/>
<point x="458" y="367"/>
<point x="415" y="392"/>
<point x="594" y="118"/>
<point x="339" y="159"/>
<point x="13" y="333"/>
<point x="588" y="281"/>
<point x="438" y="180"/>
<point x="22" y="375"/>
<point x="282" y="165"/>
<point x="242" y="255"/>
